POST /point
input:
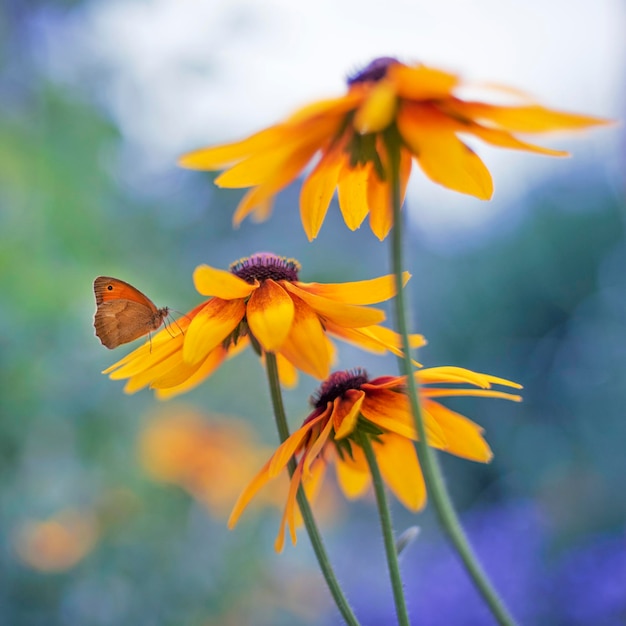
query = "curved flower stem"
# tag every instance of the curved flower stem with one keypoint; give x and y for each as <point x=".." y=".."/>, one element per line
<point x="303" y="503"/>
<point x="385" y="522"/>
<point x="433" y="476"/>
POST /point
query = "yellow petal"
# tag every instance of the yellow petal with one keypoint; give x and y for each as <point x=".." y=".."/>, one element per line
<point x="210" y="281"/>
<point x="289" y="512"/>
<point x="352" y="475"/>
<point x="287" y="373"/>
<point x="352" y="193"/>
<point x="248" y="493"/>
<point x="421" y="82"/>
<point x="315" y="446"/>
<point x="270" y="314"/>
<point x="211" y="326"/>
<point x="379" y="195"/>
<point x="338" y="312"/>
<point x="503" y="139"/>
<point x="527" y="118"/>
<point x="378" y="110"/>
<point x="217" y="157"/>
<point x="358" y="292"/>
<point x="307" y="346"/>
<point x="429" y="392"/>
<point x="290" y="446"/>
<point x="335" y="108"/>
<point x="450" y="374"/>
<point x="464" y="437"/>
<point x="401" y="470"/>
<point x="317" y="192"/>
<point x="441" y="155"/>
<point x="346" y="411"/>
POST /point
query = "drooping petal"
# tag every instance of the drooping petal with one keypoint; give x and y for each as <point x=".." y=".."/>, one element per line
<point x="401" y="470"/>
<point x="248" y="493"/>
<point x="377" y="339"/>
<point x="346" y="411"/>
<point x="352" y="474"/>
<point x="464" y="437"/>
<point x="287" y="373"/>
<point x="317" y="191"/>
<point x="270" y="314"/>
<point x="338" y="312"/>
<point x="451" y="374"/>
<point x="291" y="445"/>
<point x="503" y="139"/>
<point x="442" y="156"/>
<point x="289" y="516"/>
<point x="421" y="82"/>
<point x="316" y="445"/>
<point x="307" y="346"/>
<point x="210" y="281"/>
<point x="377" y="111"/>
<point x="211" y="326"/>
<point x="379" y="195"/>
<point x="352" y="193"/>
<point x="525" y="119"/>
<point x="358" y="292"/>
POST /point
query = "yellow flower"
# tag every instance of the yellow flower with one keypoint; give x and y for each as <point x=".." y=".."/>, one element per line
<point x="349" y="406"/>
<point x="262" y="302"/>
<point x="414" y="107"/>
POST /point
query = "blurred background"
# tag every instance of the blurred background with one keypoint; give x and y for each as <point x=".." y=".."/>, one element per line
<point x="113" y="507"/>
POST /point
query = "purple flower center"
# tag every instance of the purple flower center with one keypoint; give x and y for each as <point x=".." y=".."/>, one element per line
<point x="374" y="71"/>
<point x="337" y="384"/>
<point x="264" y="265"/>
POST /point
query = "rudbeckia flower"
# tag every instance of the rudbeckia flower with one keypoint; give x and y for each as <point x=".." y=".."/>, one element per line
<point x="261" y="302"/>
<point x="350" y="406"/>
<point x="415" y="108"/>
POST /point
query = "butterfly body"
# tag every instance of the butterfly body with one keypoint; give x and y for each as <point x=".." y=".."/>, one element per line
<point x="123" y="313"/>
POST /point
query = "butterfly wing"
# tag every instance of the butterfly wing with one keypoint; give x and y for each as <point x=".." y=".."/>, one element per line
<point x="107" y="289"/>
<point x="121" y="321"/>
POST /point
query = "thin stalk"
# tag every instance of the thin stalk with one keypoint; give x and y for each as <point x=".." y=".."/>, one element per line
<point x="433" y="476"/>
<point x="303" y="503"/>
<point x="385" y="523"/>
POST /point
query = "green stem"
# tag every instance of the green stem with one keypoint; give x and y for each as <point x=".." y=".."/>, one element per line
<point x="385" y="522"/>
<point x="433" y="476"/>
<point x="303" y="503"/>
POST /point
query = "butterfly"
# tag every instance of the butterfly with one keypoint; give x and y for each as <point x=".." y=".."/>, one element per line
<point x="123" y="313"/>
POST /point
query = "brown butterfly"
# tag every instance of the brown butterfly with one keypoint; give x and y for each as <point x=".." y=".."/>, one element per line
<point x="123" y="313"/>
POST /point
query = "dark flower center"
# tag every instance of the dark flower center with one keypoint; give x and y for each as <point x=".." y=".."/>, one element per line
<point x="337" y="384"/>
<point x="374" y="71"/>
<point x="264" y="265"/>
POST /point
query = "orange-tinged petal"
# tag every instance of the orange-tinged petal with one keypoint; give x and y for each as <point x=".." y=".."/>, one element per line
<point x="270" y="314"/>
<point x="210" y="281"/>
<point x="352" y="193"/>
<point x="503" y="139"/>
<point x="525" y="119"/>
<point x="378" y="110"/>
<point x="421" y="82"/>
<point x="441" y="155"/>
<point x="289" y="512"/>
<point x="290" y="446"/>
<point x="307" y="346"/>
<point x="334" y="108"/>
<point x="358" y="292"/>
<point x="346" y="411"/>
<point x="382" y="405"/>
<point x="312" y="452"/>
<point x="480" y="393"/>
<point x="379" y="196"/>
<point x="317" y="192"/>
<point x="353" y="476"/>
<point x="287" y="373"/>
<point x="248" y="493"/>
<point x="211" y="326"/>
<point x="377" y="339"/>
<point x="217" y="157"/>
<point x="464" y="437"/>
<point x="338" y="312"/>
<point x="401" y="470"/>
